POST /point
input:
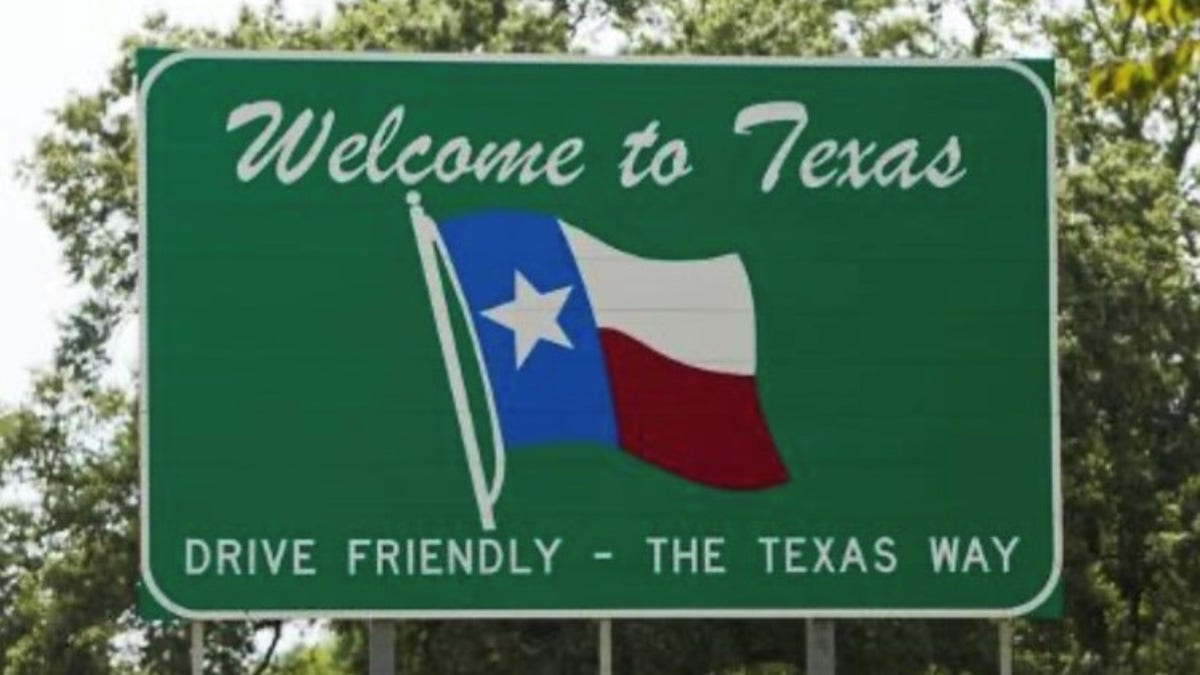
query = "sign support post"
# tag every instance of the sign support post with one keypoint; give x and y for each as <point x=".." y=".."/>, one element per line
<point x="1006" y="646"/>
<point x="197" y="649"/>
<point x="605" y="647"/>
<point x="820" y="655"/>
<point x="381" y="647"/>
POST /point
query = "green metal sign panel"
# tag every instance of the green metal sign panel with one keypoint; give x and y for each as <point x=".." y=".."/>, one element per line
<point x="517" y="336"/>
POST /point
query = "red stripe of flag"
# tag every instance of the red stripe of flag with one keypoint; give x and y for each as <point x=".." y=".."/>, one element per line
<point x="705" y="426"/>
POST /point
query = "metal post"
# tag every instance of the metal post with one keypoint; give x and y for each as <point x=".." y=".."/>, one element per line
<point x="197" y="651"/>
<point x="1006" y="646"/>
<point x="820" y="655"/>
<point x="381" y="648"/>
<point x="605" y="646"/>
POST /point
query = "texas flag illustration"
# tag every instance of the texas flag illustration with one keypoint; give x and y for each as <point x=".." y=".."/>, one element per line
<point x="580" y="342"/>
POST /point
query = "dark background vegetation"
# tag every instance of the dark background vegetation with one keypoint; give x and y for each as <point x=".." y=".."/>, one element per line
<point x="1128" y="114"/>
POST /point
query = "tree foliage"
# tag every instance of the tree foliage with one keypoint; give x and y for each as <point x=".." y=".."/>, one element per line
<point x="324" y="658"/>
<point x="1129" y="331"/>
<point x="69" y="553"/>
<point x="1153" y="48"/>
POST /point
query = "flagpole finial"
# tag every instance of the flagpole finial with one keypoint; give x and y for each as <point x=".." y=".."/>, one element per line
<point x="416" y="212"/>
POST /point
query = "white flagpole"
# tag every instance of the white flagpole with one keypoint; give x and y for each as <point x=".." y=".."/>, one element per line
<point x="425" y="231"/>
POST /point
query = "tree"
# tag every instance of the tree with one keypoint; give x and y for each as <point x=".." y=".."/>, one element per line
<point x="1130" y="326"/>
<point x="1153" y="48"/>
<point x="70" y="557"/>
<point x="324" y="658"/>
<point x="1128" y="310"/>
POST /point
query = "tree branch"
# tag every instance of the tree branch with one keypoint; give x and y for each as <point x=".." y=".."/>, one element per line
<point x="1126" y="32"/>
<point x="979" y="21"/>
<point x="1101" y="29"/>
<point x="1186" y="128"/>
<point x="266" y="659"/>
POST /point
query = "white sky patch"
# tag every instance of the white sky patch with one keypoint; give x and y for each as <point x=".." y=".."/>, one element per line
<point x="47" y="49"/>
<point x="294" y="634"/>
<point x="597" y="35"/>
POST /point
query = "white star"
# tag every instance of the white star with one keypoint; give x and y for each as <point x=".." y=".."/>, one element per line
<point x="532" y="316"/>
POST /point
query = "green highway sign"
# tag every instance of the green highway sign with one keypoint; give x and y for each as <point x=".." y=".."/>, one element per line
<point x="488" y="336"/>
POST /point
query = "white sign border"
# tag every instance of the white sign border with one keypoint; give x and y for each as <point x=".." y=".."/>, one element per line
<point x="144" y="88"/>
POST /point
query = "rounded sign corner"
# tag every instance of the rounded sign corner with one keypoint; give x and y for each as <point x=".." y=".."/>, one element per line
<point x="159" y="69"/>
<point x="1044" y="592"/>
<point x="163" y="599"/>
<point x="512" y="316"/>
<point x="1029" y="76"/>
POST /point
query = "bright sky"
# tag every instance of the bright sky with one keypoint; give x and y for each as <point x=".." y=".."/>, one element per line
<point x="48" y="48"/>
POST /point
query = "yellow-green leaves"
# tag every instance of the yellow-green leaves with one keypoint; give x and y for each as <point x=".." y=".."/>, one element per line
<point x="1164" y="12"/>
<point x="1154" y="62"/>
<point x="1140" y="79"/>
